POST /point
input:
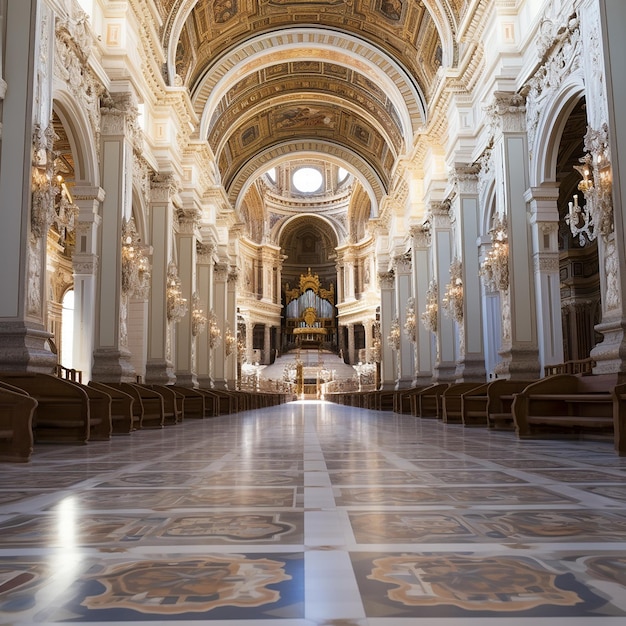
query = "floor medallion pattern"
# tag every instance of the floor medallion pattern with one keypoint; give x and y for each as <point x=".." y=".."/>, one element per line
<point x="313" y="514"/>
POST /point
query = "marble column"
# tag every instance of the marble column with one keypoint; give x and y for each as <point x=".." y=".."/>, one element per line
<point x="112" y="357"/>
<point x="403" y="291"/>
<point x="545" y="226"/>
<point x="159" y="366"/>
<point x="187" y="239"/>
<point x="445" y="364"/>
<point x="23" y="338"/>
<point x="351" y="355"/>
<point x="425" y="348"/>
<point x="471" y="358"/>
<point x="85" y="264"/>
<point x="218" y="352"/>
<point x="387" y="315"/>
<point x="605" y="79"/>
<point x="267" y="344"/>
<point x="230" y="324"/>
<point x="204" y="280"/>
<point x="519" y="349"/>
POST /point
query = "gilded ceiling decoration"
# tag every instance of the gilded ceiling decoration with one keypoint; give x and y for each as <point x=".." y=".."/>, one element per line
<point x="344" y="80"/>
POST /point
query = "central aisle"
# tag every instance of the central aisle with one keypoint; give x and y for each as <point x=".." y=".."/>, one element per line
<point x="312" y="513"/>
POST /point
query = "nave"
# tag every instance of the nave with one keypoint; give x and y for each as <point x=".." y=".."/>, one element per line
<point x="311" y="513"/>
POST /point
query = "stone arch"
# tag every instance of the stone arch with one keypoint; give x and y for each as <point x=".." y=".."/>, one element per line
<point x="80" y="136"/>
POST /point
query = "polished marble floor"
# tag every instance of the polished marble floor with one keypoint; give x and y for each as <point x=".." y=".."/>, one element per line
<point x="315" y="514"/>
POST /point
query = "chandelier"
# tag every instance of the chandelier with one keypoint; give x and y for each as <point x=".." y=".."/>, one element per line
<point x="229" y="341"/>
<point x="410" y="324"/>
<point x="595" y="215"/>
<point x="453" y="298"/>
<point x="214" y="330"/>
<point x="393" y="339"/>
<point x="198" y="317"/>
<point x="176" y="304"/>
<point x="429" y="315"/>
<point x="495" y="268"/>
<point x="135" y="265"/>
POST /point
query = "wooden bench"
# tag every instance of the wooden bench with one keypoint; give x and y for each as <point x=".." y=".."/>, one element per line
<point x="148" y="402"/>
<point x="124" y="419"/>
<point x="173" y="403"/>
<point x="474" y="406"/>
<point x="452" y="401"/>
<point x="63" y="413"/>
<point x="566" y="403"/>
<point x="427" y="401"/>
<point x="16" y="424"/>
<point x="195" y="401"/>
<point x="500" y="396"/>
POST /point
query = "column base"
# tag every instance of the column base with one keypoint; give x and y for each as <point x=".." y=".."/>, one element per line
<point x="113" y="366"/>
<point x="519" y="364"/>
<point x="445" y="372"/>
<point x="187" y="379"/>
<point x="160" y="372"/>
<point x="470" y="370"/>
<point x="26" y="348"/>
<point x="609" y="354"/>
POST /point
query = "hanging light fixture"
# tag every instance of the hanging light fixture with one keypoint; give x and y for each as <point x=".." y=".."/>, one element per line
<point x="453" y="298"/>
<point x="495" y="268"/>
<point x="198" y="317"/>
<point x="430" y="313"/>
<point x="214" y="330"/>
<point x="410" y="324"/>
<point x="176" y="304"/>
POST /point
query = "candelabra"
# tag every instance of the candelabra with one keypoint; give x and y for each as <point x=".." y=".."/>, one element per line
<point x="495" y="268"/>
<point x="430" y="313"/>
<point x="229" y="341"/>
<point x="375" y="352"/>
<point x="453" y="298"/>
<point x="176" y="304"/>
<point x="596" y="215"/>
<point x="135" y="265"/>
<point x="214" y="330"/>
<point x="198" y="317"/>
<point x="410" y="324"/>
<point x="393" y="339"/>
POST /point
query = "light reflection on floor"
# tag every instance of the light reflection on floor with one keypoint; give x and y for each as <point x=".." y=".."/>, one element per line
<point x="312" y="513"/>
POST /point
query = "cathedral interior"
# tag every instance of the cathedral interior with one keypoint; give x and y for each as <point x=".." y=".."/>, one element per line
<point x="304" y="213"/>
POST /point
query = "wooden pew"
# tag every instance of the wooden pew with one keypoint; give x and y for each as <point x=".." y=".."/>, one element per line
<point x="63" y="411"/>
<point x="566" y="403"/>
<point x="16" y="424"/>
<point x="149" y="402"/>
<point x="427" y="401"/>
<point x="474" y="406"/>
<point x="451" y="401"/>
<point x="195" y="401"/>
<point x="124" y="418"/>
<point x="500" y="395"/>
<point x="173" y="407"/>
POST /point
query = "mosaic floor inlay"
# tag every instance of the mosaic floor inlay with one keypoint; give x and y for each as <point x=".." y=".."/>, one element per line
<point x="313" y="514"/>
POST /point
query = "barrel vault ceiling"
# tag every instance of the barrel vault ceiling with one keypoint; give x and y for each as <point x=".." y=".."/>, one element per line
<point x="277" y="80"/>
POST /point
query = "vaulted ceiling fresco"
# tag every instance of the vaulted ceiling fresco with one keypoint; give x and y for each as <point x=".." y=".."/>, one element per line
<point x="347" y="80"/>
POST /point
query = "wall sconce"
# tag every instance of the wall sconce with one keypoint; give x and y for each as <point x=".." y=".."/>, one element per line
<point x="176" y="304"/>
<point x="410" y="324"/>
<point x="135" y="265"/>
<point x="430" y="313"/>
<point x="376" y="352"/>
<point x="215" y="333"/>
<point x="453" y="298"/>
<point x="596" y="215"/>
<point x="198" y="318"/>
<point x="393" y="339"/>
<point x="495" y="268"/>
<point x="229" y="341"/>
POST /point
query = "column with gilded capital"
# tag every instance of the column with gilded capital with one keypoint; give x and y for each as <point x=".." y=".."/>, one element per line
<point x="159" y="366"/>
<point x="519" y="347"/>
<point x="204" y="278"/>
<point x="424" y="338"/>
<point x="85" y="265"/>
<point x="404" y="295"/>
<point x="387" y="317"/>
<point x="446" y="337"/>
<point x="468" y="312"/>
<point x="187" y="239"/>
<point x="218" y="353"/>
<point x="120" y="135"/>
<point x="230" y="330"/>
